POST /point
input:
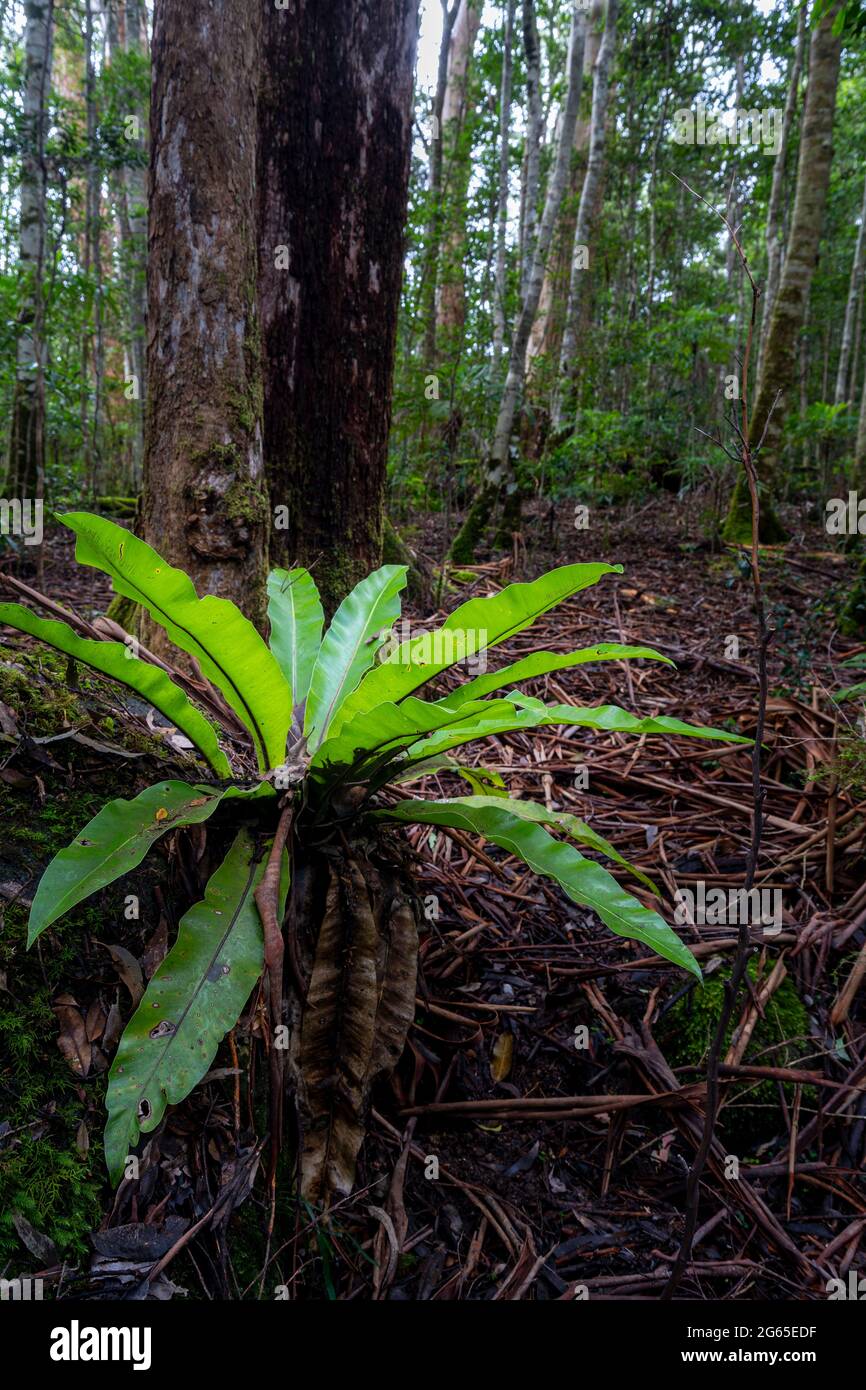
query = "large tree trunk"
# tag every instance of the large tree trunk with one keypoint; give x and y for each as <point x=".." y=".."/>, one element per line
<point x="779" y="374"/>
<point x="205" y="503"/>
<point x="588" y="211"/>
<point x="498" y="477"/>
<point x="334" y="142"/>
<point x="775" y="246"/>
<point x="27" y="433"/>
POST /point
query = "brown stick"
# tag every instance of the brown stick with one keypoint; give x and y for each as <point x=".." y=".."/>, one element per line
<point x="267" y="897"/>
<point x="741" y="958"/>
<point x="845" y="998"/>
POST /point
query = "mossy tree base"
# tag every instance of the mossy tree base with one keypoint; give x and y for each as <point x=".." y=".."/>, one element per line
<point x="395" y="551"/>
<point x="737" y="528"/>
<point x="126" y="612"/>
<point x="475" y="524"/>
<point x="852" y="620"/>
<point x="510" y="520"/>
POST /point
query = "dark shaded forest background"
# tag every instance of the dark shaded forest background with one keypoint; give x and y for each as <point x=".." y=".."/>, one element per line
<point x="626" y="351"/>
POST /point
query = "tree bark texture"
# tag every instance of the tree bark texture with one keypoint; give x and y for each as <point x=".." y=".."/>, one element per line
<point x="205" y="502"/>
<point x="335" y="125"/>
<point x="27" y="433"/>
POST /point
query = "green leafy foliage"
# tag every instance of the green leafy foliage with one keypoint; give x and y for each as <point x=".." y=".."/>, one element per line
<point x="582" y="879"/>
<point x="116" y="841"/>
<point x="115" y="659"/>
<point x="356" y="633"/>
<point x="475" y="626"/>
<point x="296" y="618"/>
<point x="225" y="643"/>
<point x="193" y="1000"/>
<point x="544" y="663"/>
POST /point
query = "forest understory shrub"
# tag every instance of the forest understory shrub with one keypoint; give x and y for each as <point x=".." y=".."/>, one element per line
<point x="303" y="743"/>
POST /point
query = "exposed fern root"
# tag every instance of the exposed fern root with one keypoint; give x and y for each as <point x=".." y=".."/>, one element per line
<point x="353" y="931"/>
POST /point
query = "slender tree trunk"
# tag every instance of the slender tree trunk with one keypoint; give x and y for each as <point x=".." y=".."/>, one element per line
<point x="205" y="501"/>
<point x="546" y="336"/>
<point x="335" y="128"/>
<point x="433" y="230"/>
<point x="590" y="203"/>
<point x="497" y="473"/>
<point x="779" y="374"/>
<point x="860" y="444"/>
<point x="534" y="133"/>
<point x="127" y="33"/>
<point x="27" y="434"/>
<point x="499" y="285"/>
<point x="858" y="342"/>
<point x="854" y="293"/>
<point x="775" y="244"/>
<point x="652" y="239"/>
<point x="734" y="278"/>
<point x="451" y="297"/>
<point x="93" y="342"/>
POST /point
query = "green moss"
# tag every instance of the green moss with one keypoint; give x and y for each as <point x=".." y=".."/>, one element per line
<point x="510" y="521"/>
<point x="847" y="769"/>
<point x="245" y="501"/>
<point x="44" y="1174"/>
<point x="396" y="552"/>
<point x="223" y="455"/>
<point x="126" y="612"/>
<point x="248" y="405"/>
<point x="779" y="1039"/>
<point x="34" y="684"/>
<point x="124" y="507"/>
<point x="471" y="533"/>
<point x="48" y="692"/>
<point x="51" y="1165"/>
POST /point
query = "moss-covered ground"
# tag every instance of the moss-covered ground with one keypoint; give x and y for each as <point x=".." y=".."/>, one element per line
<point x="51" y="1167"/>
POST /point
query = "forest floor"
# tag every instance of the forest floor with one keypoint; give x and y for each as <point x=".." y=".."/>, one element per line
<point x="535" y="1139"/>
